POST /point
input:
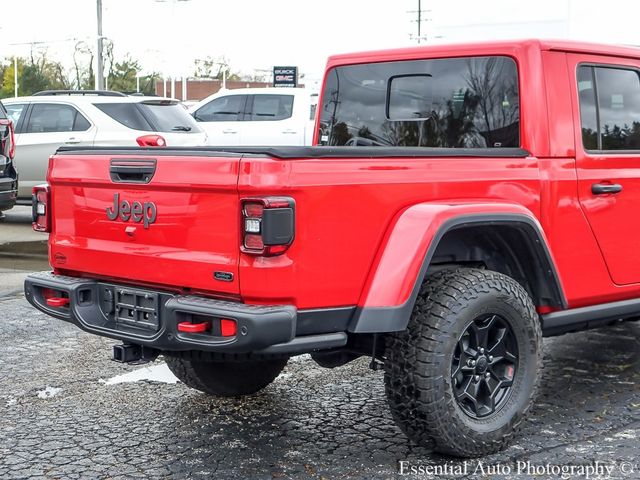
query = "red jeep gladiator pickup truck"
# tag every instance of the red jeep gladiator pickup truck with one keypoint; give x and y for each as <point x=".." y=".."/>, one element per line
<point x="459" y="202"/>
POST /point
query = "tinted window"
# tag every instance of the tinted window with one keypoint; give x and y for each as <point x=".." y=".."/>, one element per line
<point x="222" y="109"/>
<point x="55" y="118"/>
<point x="588" y="113"/>
<point x="168" y="117"/>
<point x="151" y="116"/>
<point x="314" y="106"/>
<point x="81" y="124"/>
<point x="619" y="108"/>
<point x="15" y="111"/>
<point x="462" y="102"/>
<point x="126" y="114"/>
<point x="613" y="121"/>
<point x="271" y="107"/>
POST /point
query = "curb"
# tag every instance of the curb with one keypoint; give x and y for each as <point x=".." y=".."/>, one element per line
<point x="36" y="249"/>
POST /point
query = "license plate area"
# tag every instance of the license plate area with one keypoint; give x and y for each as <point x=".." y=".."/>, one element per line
<point x="137" y="308"/>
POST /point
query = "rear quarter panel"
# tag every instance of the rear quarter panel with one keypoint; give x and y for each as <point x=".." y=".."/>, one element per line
<point x="345" y="207"/>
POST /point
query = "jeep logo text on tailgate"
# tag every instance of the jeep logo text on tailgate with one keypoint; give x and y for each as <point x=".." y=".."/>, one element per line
<point x="136" y="211"/>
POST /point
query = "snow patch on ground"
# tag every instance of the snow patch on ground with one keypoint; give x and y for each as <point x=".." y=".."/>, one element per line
<point x="49" y="392"/>
<point x="156" y="373"/>
<point x="300" y="358"/>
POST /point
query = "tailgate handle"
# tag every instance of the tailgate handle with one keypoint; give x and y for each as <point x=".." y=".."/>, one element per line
<point x="132" y="170"/>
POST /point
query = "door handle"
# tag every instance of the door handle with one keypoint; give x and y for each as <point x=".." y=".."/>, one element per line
<point x="605" y="188"/>
<point x="229" y="131"/>
<point x="293" y="132"/>
<point x="72" y="141"/>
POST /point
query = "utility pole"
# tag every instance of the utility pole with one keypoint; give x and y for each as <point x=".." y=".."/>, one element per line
<point x="419" y="38"/>
<point x="99" y="69"/>
<point x="15" y="75"/>
<point x="419" y="19"/>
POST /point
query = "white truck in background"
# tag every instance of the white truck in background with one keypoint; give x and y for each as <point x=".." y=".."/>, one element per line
<point x="258" y="116"/>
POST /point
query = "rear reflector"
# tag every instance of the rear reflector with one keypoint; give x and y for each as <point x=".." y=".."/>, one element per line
<point x="228" y="328"/>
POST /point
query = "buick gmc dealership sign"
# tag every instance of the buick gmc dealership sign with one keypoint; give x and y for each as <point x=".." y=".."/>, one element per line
<point x="285" y="76"/>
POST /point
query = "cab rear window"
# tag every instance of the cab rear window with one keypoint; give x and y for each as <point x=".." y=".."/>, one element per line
<point x="448" y="103"/>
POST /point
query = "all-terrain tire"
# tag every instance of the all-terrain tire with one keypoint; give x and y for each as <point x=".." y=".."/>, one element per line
<point x="418" y="364"/>
<point x="226" y="379"/>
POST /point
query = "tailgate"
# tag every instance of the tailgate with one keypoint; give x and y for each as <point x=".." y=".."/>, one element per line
<point x="167" y="218"/>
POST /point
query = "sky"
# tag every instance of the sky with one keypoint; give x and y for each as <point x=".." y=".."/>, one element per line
<point x="168" y="35"/>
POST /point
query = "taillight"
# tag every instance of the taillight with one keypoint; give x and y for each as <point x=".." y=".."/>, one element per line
<point x="268" y="225"/>
<point x="151" y="141"/>
<point x="41" y="208"/>
<point x="6" y="122"/>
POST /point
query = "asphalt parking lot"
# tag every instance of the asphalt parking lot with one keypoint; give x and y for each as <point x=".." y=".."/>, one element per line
<point x="21" y="249"/>
<point x="68" y="411"/>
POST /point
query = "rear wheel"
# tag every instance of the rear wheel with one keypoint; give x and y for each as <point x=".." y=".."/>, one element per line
<point x="463" y="374"/>
<point x="226" y="379"/>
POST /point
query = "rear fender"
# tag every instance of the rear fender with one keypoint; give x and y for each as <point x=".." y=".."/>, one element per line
<point x="408" y="249"/>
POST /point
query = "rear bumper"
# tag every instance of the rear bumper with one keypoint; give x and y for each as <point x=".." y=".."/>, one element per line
<point x="93" y="305"/>
<point x="8" y="193"/>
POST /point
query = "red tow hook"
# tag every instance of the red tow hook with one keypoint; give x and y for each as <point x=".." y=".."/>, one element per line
<point x="188" y="327"/>
<point x="58" y="301"/>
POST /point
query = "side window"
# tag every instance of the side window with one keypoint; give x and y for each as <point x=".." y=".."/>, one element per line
<point x="314" y="106"/>
<point x="448" y="103"/>
<point x="222" y="109"/>
<point x="126" y="114"/>
<point x="271" y="107"/>
<point x="14" y="111"/>
<point x="47" y="118"/>
<point x="619" y="108"/>
<point x="588" y="108"/>
<point x="81" y="124"/>
<point x="609" y="108"/>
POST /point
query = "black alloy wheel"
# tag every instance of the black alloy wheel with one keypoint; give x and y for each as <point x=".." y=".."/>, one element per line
<point x="484" y="365"/>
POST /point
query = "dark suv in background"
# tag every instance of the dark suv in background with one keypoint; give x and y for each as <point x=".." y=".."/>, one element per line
<point x="8" y="174"/>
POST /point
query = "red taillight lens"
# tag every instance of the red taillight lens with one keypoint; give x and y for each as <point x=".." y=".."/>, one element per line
<point x="253" y="210"/>
<point x="41" y="208"/>
<point x="268" y="225"/>
<point x="9" y="137"/>
<point x="151" y="141"/>
<point x="253" y="242"/>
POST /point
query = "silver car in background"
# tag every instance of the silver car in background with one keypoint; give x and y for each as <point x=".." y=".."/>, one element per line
<point x="47" y="120"/>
